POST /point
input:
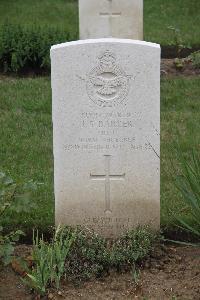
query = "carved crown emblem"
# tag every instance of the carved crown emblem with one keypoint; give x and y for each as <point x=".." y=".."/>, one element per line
<point x="107" y="58"/>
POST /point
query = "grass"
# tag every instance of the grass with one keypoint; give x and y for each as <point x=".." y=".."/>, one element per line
<point x="59" y="13"/>
<point x="158" y="16"/>
<point x="26" y="140"/>
<point x="188" y="183"/>
<point x="180" y="14"/>
<point x="180" y="114"/>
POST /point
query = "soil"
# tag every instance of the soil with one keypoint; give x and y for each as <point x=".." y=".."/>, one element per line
<point x="171" y="51"/>
<point x="170" y="272"/>
<point x="168" y="68"/>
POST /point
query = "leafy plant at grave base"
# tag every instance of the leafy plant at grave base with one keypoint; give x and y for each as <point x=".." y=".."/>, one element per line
<point x="188" y="183"/>
<point x="195" y="59"/>
<point x="14" y="197"/>
<point x="92" y="255"/>
<point x="134" y="246"/>
<point x="49" y="260"/>
<point x="62" y="244"/>
<point x="89" y="256"/>
<point x="28" y="48"/>
<point x="40" y="275"/>
<point x="80" y="255"/>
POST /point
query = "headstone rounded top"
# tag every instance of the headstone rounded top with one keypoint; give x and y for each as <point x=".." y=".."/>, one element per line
<point x="105" y="40"/>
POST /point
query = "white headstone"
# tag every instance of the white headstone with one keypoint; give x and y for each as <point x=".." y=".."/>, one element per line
<point x="106" y="109"/>
<point x="111" y="18"/>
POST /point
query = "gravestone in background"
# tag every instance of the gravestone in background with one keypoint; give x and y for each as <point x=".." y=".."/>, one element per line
<point x="106" y="110"/>
<point x="111" y="18"/>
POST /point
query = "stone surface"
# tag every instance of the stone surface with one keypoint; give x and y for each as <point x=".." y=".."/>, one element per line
<point x="106" y="109"/>
<point x="111" y="18"/>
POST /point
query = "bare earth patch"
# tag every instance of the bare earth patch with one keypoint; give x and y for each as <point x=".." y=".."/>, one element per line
<point x="168" y="68"/>
<point x="170" y="273"/>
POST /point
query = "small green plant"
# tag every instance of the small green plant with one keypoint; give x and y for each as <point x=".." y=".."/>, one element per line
<point x="41" y="273"/>
<point x="7" y="243"/>
<point x="179" y="63"/>
<point x="89" y="256"/>
<point x="136" y="275"/>
<point x="188" y="183"/>
<point x="14" y="197"/>
<point x="61" y="247"/>
<point x="177" y="40"/>
<point x="132" y="247"/>
<point x="195" y="59"/>
<point x="49" y="260"/>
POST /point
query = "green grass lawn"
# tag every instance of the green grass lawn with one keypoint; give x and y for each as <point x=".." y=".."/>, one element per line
<point x="26" y="140"/>
<point x="158" y="16"/>
<point x="180" y="123"/>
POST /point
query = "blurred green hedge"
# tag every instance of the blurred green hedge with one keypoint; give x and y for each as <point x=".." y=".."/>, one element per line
<point x="23" y="49"/>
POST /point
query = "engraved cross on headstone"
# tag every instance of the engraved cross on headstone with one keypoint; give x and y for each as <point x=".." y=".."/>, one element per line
<point x="107" y="177"/>
<point x="110" y="15"/>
